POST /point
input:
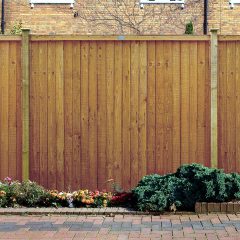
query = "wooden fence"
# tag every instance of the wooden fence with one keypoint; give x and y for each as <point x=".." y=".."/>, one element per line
<point x="10" y="109"/>
<point x="115" y="108"/>
<point x="229" y="102"/>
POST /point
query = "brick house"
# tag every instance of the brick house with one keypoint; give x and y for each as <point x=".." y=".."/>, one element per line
<point x="108" y="17"/>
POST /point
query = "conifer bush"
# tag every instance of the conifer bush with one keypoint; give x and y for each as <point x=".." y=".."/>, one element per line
<point x="190" y="184"/>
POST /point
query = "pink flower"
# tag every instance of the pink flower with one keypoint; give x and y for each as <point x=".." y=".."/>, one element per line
<point x="8" y="180"/>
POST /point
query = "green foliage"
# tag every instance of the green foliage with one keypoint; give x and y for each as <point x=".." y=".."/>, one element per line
<point x="29" y="194"/>
<point x="17" y="28"/>
<point x="189" y="28"/>
<point x="191" y="183"/>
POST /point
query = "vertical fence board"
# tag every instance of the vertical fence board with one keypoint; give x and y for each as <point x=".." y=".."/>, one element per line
<point x="117" y="89"/>
<point x="168" y="105"/>
<point x="142" y="106"/>
<point x="126" y="117"/>
<point x="193" y="108"/>
<point x="43" y="128"/>
<point x="12" y="119"/>
<point x="60" y="114"/>
<point x="201" y="102"/>
<point x="4" y="107"/>
<point x="159" y="107"/>
<point x="151" y="107"/>
<point x="19" y="113"/>
<point x="84" y="113"/>
<point x="93" y="126"/>
<point x="231" y="106"/>
<point x="51" y="107"/>
<point x="102" y="114"/>
<point x="176" y="106"/>
<point x="207" y="108"/>
<point x="134" y="111"/>
<point x="237" y="104"/>
<point x="68" y="115"/>
<point x="222" y="160"/>
<point x="185" y="115"/>
<point x="76" y="84"/>
<point x="110" y="110"/>
<point x="34" y="113"/>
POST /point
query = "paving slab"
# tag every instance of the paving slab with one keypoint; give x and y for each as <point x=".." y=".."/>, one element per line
<point x="125" y="227"/>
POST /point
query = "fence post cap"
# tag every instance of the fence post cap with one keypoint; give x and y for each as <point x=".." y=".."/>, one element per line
<point x="25" y="29"/>
<point x="214" y="30"/>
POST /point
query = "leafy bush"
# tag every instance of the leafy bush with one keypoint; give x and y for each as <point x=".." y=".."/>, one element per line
<point x="29" y="194"/>
<point x="191" y="183"/>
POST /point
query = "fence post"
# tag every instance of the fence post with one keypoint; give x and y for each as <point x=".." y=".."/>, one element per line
<point x="214" y="98"/>
<point x="25" y="103"/>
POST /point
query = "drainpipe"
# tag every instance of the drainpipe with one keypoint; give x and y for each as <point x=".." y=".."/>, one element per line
<point x="2" y="19"/>
<point x="205" y="21"/>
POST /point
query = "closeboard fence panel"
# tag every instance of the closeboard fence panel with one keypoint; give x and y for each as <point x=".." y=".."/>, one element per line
<point x="10" y="110"/>
<point x="104" y="110"/>
<point x="228" y="107"/>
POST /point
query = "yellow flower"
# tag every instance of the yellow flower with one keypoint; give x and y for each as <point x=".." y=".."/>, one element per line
<point x="54" y="194"/>
<point x="81" y="193"/>
<point x="2" y="193"/>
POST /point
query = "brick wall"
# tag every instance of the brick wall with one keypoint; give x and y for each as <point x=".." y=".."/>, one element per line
<point x="225" y="19"/>
<point x="94" y="18"/>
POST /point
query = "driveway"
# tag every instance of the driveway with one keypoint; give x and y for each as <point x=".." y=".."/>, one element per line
<point x="212" y="226"/>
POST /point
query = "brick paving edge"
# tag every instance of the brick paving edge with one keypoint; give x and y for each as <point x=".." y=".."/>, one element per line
<point x="211" y="207"/>
<point x="82" y="211"/>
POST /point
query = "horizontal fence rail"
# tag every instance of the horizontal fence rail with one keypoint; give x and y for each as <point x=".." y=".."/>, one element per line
<point x="106" y="109"/>
<point x="117" y="38"/>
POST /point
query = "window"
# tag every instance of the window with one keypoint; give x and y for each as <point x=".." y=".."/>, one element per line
<point x="71" y="2"/>
<point x="232" y="2"/>
<point x="142" y="2"/>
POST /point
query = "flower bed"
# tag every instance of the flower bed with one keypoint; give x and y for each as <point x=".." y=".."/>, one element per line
<point x="30" y="194"/>
<point x="155" y="193"/>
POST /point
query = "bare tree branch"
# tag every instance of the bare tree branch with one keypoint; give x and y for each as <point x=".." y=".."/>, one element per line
<point x="125" y="16"/>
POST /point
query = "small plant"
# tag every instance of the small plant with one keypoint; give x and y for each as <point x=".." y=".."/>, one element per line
<point x="16" y="29"/>
<point x="189" y="28"/>
<point x="85" y="198"/>
<point x="55" y="198"/>
<point x="123" y="199"/>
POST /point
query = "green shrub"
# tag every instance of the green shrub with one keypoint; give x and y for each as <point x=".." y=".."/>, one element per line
<point x="191" y="183"/>
<point x="29" y="194"/>
<point x="189" y="28"/>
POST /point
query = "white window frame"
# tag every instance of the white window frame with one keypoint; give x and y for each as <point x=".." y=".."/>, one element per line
<point x="232" y="2"/>
<point x="71" y="2"/>
<point x="142" y="2"/>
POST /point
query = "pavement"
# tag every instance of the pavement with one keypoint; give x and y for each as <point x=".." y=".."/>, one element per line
<point x="121" y="227"/>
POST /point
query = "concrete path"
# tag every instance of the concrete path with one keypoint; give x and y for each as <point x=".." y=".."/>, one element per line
<point x="212" y="227"/>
